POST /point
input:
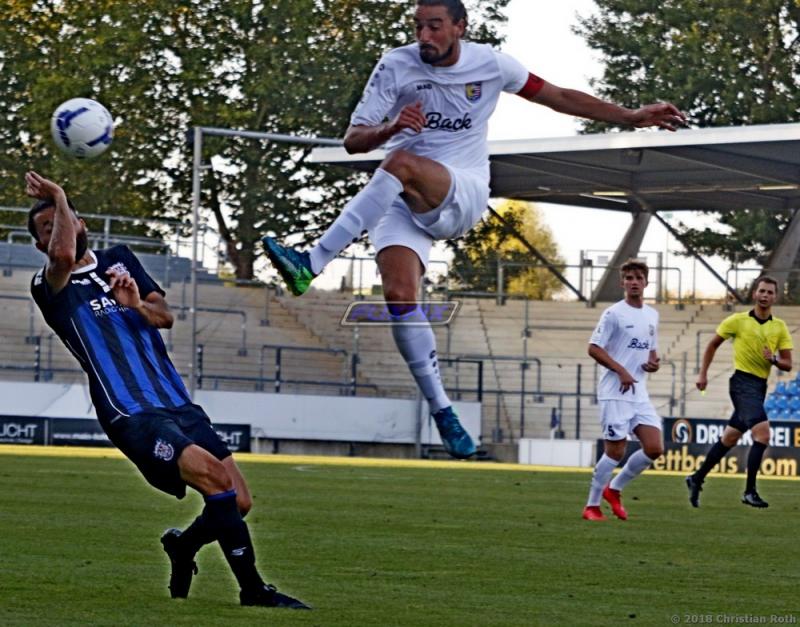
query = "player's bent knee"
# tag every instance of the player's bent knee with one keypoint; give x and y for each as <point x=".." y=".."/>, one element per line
<point x="205" y="472"/>
<point x="217" y="475"/>
<point x="729" y="440"/>
<point x="654" y="452"/>
<point x="401" y="164"/>
<point x="615" y="452"/>
<point x="400" y="300"/>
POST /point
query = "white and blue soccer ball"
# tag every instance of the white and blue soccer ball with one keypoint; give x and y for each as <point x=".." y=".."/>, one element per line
<point x="82" y="128"/>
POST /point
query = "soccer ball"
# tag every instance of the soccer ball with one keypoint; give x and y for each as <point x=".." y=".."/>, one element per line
<point x="82" y="128"/>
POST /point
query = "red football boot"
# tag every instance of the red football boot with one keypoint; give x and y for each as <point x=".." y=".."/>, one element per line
<point x="592" y="512"/>
<point x="614" y="499"/>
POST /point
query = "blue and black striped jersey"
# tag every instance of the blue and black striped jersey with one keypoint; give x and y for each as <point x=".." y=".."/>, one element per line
<point x="123" y="355"/>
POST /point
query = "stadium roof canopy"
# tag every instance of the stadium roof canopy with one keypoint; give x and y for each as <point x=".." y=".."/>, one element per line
<point x="644" y="172"/>
<point x="719" y="169"/>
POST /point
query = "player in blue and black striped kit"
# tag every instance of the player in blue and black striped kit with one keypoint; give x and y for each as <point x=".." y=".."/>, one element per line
<point x="107" y="311"/>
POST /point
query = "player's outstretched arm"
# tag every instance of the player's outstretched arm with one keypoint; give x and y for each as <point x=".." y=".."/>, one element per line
<point x="708" y="357"/>
<point x="361" y="138"/>
<point x="580" y="104"/>
<point x="62" y="246"/>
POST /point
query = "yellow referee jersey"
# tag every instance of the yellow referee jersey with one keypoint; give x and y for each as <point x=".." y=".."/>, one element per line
<point x="751" y="337"/>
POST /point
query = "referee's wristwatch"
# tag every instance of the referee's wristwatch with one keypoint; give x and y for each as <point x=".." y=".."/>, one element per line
<point x="774" y="359"/>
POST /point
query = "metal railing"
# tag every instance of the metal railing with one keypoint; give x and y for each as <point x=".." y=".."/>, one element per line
<point x="357" y="282"/>
<point x="464" y="376"/>
<point x="697" y="348"/>
<point x="673" y="381"/>
<point x="267" y="287"/>
<point x="529" y="382"/>
<point x="501" y="294"/>
<point x="242" y="350"/>
<point x="457" y="391"/>
<point x="350" y="383"/>
<point x="170" y="239"/>
<point x="30" y="337"/>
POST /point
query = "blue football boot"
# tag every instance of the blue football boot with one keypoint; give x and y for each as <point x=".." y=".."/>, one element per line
<point x="455" y="439"/>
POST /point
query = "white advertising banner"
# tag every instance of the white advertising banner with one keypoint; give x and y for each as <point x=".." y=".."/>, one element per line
<point x="274" y="416"/>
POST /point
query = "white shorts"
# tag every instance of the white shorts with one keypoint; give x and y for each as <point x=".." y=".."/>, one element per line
<point x="619" y="418"/>
<point x="461" y="209"/>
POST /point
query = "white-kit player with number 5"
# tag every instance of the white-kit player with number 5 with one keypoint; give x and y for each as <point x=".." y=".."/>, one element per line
<point x="428" y="104"/>
<point x="625" y="342"/>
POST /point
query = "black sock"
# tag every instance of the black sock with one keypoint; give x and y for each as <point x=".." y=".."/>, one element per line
<point x="753" y="464"/>
<point x="231" y="532"/>
<point x="717" y="452"/>
<point x="197" y="535"/>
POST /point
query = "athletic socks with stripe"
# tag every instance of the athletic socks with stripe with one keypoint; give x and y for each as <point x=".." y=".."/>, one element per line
<point x="417" y="344"/>
<point x="226" y="524"/>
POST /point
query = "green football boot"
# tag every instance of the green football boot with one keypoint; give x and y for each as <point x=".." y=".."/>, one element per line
<point x="293" y="266"/>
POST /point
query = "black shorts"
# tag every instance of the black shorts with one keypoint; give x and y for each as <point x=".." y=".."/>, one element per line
<point x="747" y="393"/>
<point x="155" y="440"/>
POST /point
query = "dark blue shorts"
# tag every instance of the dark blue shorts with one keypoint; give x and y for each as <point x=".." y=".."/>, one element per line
<point x="155" y="440"/>
<point x="747" y="393"/>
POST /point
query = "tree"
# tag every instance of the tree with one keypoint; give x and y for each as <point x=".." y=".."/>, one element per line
<point x="724" y="63"/>
<point x="476" y="255"/>
<point x="164" y="66"/>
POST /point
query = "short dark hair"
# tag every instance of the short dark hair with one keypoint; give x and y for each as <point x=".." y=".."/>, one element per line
<point x="455" y="8"/>
<point x="40" y="206"/>
<point x="634" y="264"/>
<point x="765" y="279"/>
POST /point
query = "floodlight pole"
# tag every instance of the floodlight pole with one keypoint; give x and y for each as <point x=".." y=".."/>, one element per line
<point x="197" y="170"/>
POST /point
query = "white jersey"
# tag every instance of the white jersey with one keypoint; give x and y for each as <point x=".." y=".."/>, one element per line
<point x="457" y="101"/>
<point x="628" y="334"/>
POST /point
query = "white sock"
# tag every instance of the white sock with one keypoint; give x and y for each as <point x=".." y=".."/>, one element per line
<point x="417" y="345"/>
<point x="360" y="214"/>
<point x="635" y="466"/>
<point x="602" y="473"/>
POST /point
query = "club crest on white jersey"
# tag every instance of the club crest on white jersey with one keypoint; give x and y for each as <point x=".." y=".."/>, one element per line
<point x="473" y="91"/>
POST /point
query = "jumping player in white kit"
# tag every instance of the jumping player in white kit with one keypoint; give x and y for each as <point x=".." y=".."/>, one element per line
<point x="625" y="341"/>
<point x="428" y="104"/>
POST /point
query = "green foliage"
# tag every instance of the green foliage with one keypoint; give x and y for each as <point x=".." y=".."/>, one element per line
<point x="757" y="234"/>
<point x="724" y="63"/>
<point x="162" y="67"/>
<point x="436" y="545"/>
<point x="476" y="254"/>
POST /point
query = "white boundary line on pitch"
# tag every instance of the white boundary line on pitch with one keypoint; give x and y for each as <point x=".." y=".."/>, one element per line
<point x="320" y="460"/>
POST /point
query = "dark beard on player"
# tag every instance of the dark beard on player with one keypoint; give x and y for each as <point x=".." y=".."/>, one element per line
<point x="81" y="245"/>
<point x="428" y="55"/>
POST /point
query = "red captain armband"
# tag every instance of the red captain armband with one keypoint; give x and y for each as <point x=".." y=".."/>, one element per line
<point x="532" y="87"/>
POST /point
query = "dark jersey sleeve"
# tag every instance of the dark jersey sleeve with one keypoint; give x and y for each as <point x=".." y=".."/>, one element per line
<point x="143" y="280"/>
<point x="37" y="289"/>
<point x="40" y="291"/>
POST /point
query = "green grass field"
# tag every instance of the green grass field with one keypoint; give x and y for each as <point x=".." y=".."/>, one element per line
<point x="395" y="545"/>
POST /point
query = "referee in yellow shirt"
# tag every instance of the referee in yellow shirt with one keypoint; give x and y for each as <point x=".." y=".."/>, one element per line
<point x="760" y="341"/>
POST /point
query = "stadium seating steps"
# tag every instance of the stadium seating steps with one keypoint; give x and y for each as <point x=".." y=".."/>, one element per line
<point x="553" y="336"/>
